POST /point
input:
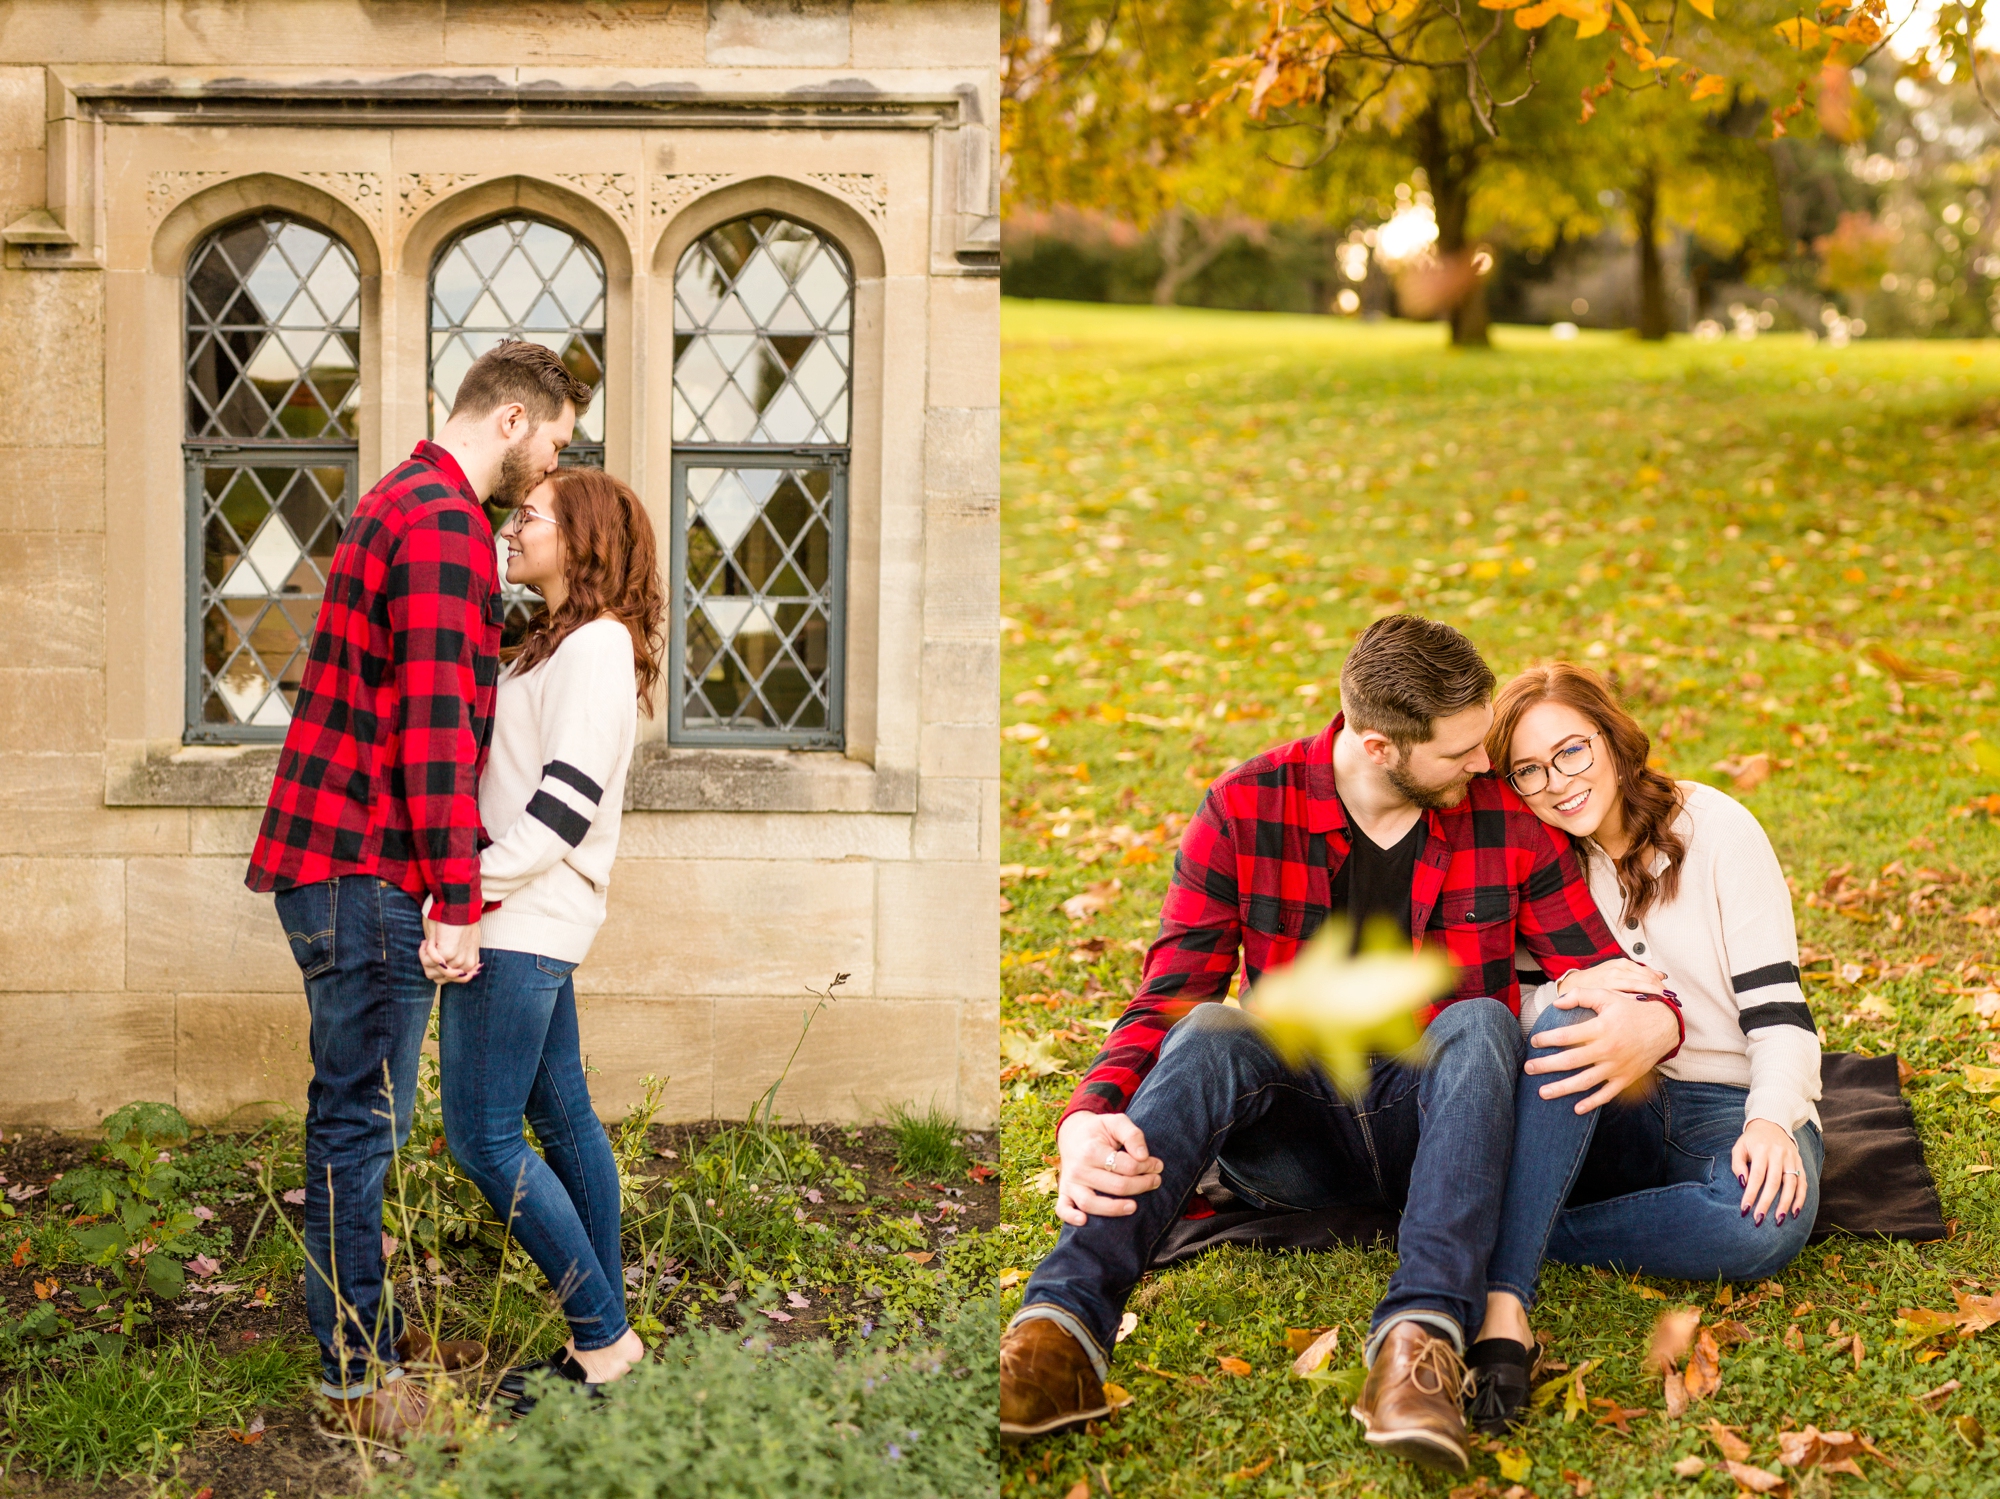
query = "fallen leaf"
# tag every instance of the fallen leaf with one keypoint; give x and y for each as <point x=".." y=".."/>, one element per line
<point x="1932" y="1399"/>
<point x="1127" y="1325"/>
<point x="919" y="1256"/>
<point x="1857" y="1349"/>
<point x="254" y="1432"/>
<point x="1513" y="1463"/>
<point x="1969" y="1431"/>
<point x="44" y="1289"/>
<point x="1045" y="1181"/>
<point x="1704" y="1368"/>
<point x="794" y="1299"/>
<point x="1580" y="1486"/>
<point x="1728" y="1442"/>
<point x="1008" y="1279"/>
<point x="777" y="1316"/>
<point x="1254" y="1470"/>
<point x="1691" y="1466"/>
<point x="1982" y="1079"/>
<point x="1754" y="1479"/>
<point x="296" y="1197"/>
<point x="1116" y="1396"/>
<point x="1673" y="1333"/>
<point x="1746" y="773"/>
<point x="1615" y="1415"/>
<point x="201" y="1267"/>
<point x="202" y="1213"/>
<point x="390" y="1244"/>
<point x="1316" y="1353"/>
<point x="1795" y="1338"/>
<point x="1087" y="903"/>
<point x="1079" y="1490"/>
<point x="22" y="1192"/>
<point x="1233" y="1366"/>
<point x="982" y="1171"/>
<point x="1677" y="1394"/>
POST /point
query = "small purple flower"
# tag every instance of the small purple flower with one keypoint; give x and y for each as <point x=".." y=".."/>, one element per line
<point x="895" y="1453"/>
<point x="867" y="1327"/>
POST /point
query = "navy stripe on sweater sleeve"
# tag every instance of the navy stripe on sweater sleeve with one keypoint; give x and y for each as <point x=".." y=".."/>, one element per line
<point x="565" y="821"/>
<point x="576" y="780"/>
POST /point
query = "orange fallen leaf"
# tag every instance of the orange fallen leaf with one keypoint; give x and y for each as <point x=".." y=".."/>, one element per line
<point x="919" y="1256"/>
<point x="1691" y="1466"/>
<point x="1704" y="1369"/>
<point x="1299" y="1339"/>
<point x="1727" y="1442"/>
<point x="1117" y="1396"/>
<point x="1235" y="1366"/>
<point x="44" y="1289"/>
<point x="1932" y="1399"/>
<point x="1580" y="1486"/>
<point x="1079" y="1490"/>
<point x="1085" y="905"/>
<point x="1254" y="1469"/>
<point x="1795" y="1338"/>
<point x="1677" y="1394"/>
<point x="1316" y="1353"/>
<point x="1756" y="1480"/>
<point x="1673" y="1334"/>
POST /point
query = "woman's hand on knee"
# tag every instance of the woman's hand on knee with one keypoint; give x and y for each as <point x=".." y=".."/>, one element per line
<point x="1769" y="1169"/>
<point x="1105" y="1165"/>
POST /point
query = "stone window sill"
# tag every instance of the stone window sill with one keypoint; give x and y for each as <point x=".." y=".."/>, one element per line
<point x="662" y="779"/>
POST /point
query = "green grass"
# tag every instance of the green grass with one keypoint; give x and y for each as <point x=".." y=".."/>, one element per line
<point x="927" y="1144"/>
<point x="125" y="1415"/>
<point x="713" y="1419"/>
<point x="1774" y="547"/>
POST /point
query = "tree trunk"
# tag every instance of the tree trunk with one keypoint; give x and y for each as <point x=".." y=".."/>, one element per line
<point x="1653" y="316"/>
<point x="1450" y="174"/>
<point x="1181" y="265"/>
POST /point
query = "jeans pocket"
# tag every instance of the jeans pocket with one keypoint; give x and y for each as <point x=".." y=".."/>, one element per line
<point x="308" y="913"/>
<point x="555" y="968"/>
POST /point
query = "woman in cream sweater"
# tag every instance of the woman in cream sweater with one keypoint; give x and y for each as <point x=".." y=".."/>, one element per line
<point x="1714" y="1171"/>
<point x="564" y="723"/>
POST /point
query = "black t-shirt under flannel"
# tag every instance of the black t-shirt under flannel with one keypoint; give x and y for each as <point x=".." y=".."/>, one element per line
<point x="1377" y="882"/>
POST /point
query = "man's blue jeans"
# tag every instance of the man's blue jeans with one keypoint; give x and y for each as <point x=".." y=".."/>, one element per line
<point x="356" y="940"/>
<point x="1433" y="1140"/>
<point x="1638" y="1186"/>
<point x="508" y="1047"/>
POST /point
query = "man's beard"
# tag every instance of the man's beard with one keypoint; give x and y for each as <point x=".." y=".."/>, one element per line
<point x="517" y="477"/>
<point x="1430" y="798"/>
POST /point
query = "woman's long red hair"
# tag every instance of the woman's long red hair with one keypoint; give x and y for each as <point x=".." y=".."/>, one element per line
<point x="1652" y="800"/>
<point x="612" y="567"/>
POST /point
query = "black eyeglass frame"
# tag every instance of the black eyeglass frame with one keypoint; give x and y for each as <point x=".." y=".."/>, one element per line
<point x="1513" y="776"/>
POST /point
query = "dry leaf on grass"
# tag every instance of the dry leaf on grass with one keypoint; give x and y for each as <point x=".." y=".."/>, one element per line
<point x="1317" y="1353"/>
<point x="1580" y="1486"/>
<point x="1746" y="772"/>
<point x="1085" y="905"/>
<point x="1677" y="1394"/>
<point x="1116" y="1396"/>
<point x="1795" y="1338"/>
<point x="1127" y="1325"/>
<point x="1673" y="1334"/>
<point x="1079" y="1490"/>
<point x="1704" y="1370"/>
<point x="1233" y="1366"/>
<point x="1254" y="1470"/>
<point x="1931" y="1399"/>
<point x="1691" y="1466"/>
<point x="1756" y="1480"/>
<point x="1832" y="1451"/>
<point x="1513" y="1462"/>
<point x="1728" y="1441"/>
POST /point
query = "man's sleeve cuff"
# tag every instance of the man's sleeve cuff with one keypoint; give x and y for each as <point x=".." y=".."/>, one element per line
<point x="1680" y="1022"/>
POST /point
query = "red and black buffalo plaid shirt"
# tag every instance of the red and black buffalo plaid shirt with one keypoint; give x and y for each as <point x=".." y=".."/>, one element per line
<point x="380" y="772"/>
<point x="1255" y="873"/>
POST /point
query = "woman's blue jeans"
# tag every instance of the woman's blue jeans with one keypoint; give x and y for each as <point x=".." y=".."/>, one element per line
<point x="1638" y="1186"/>
<point x="507" y="1046"/>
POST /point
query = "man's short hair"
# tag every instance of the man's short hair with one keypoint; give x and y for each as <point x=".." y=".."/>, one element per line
<point x="1406" y="672"/>
<point x="519" y="371"/>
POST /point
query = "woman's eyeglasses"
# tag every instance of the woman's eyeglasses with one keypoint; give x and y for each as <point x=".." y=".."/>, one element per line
<point x="1571" y="760"/>
<point x="517" y="522"/>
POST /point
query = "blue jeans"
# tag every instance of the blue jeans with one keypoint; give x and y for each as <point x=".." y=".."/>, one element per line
<point x="1639" y="1186"/>
<point x="1433" y="1140"/>
<point x="507" y="1046"/>
<point x="356" y="940"/>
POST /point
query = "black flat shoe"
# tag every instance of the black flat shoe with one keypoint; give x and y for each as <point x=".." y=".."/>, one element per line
<point x="563" y="1366"/>
<point x="514" y="1382"/>
<point x="1499" y="1368"/>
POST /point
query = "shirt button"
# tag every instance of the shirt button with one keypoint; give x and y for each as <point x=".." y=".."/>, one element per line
<point x="1631" y="923"/>
<point x="1638" y="947"/>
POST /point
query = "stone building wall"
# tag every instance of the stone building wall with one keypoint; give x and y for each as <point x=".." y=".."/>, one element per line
<point x="133" y="963"/>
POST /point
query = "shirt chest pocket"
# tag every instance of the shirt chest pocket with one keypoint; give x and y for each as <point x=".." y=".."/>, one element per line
<point x="1483" y="905"/>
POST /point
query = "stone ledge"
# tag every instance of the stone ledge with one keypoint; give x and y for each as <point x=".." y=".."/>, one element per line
<point x="162" y="773"/>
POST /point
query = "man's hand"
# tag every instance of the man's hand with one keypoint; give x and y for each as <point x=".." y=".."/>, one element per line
<point x="1609" y="1052"/>
<point x="450" y="954"/>
<point x="1104" y="1166"/>
<point x="1620" y="975"/>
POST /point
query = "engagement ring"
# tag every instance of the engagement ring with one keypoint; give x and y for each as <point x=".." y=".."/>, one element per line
<point x="1109" y="1159"/>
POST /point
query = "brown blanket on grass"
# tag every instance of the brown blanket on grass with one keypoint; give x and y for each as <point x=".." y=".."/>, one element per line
<point x="1875" y="1181"/>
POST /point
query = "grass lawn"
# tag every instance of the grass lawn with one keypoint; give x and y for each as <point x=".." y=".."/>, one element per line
<point x="1780" y="549"/>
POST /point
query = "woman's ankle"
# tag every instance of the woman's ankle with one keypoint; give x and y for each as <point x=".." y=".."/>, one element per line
<point x="613" y="1361"/>
<point x="1506" y="1318"/>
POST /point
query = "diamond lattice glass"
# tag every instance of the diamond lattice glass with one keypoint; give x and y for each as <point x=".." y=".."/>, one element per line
<point x="520" y="278"/>
<point x="763" y="337"/>
<point x="758" y="598"/>
<point x="273" y="334"/>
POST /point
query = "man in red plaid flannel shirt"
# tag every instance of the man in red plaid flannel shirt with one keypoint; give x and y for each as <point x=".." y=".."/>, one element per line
<point x="373" y="812"/>
<point x="1389" y="814"/>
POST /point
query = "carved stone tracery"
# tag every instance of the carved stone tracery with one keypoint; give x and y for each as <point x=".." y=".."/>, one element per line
<point x="867" y="191"/>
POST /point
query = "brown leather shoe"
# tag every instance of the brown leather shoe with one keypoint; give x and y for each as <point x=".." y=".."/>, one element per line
<point x="387" y="1417"/>
<point x="1413" y="1402"/>
<point x="1047" y="1383"/>
<point x="428" y="1354"/>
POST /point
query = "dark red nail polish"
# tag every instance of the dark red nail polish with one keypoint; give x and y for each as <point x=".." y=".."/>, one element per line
<point x="1760" y="1220"/>
<point x="1742" y="1181"/>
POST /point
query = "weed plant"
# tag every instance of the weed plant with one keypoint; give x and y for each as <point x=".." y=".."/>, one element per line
<point x="716" y="1420"/>
<point x="927" y="1143"/>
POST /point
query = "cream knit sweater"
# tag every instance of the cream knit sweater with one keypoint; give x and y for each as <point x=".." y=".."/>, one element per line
<point x="552" y="792"/>
<point x="1730" y="952"/>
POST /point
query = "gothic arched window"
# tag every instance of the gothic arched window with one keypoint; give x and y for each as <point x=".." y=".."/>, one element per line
<point x="763" y="386"/>
<point x="520" y="277"/>
<point x="273" y="345"/>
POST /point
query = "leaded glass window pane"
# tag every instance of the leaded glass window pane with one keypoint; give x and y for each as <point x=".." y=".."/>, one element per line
<point x="763" y="337"/>
<point x="760" y="562"/>
<point x="273" y="339"/>
<point x="763" y="375"/>
<point x="520" y="278"/>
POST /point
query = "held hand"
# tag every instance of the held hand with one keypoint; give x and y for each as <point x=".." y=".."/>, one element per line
<point x="1104" y="1166"/>
<point x="1767" y="1166"/>
<point x="1621" y="975"/>
<point x="450" y="954"/>
<point x="1609" y="1052"/>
